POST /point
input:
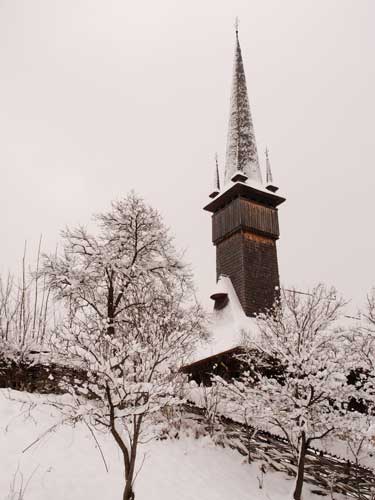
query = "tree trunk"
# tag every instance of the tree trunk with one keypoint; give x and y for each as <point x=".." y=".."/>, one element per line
<point x="297" y="495"/>
<point x="129" y="474"/>
<point x="128" y="491"/>
<point x="130" y="468"/>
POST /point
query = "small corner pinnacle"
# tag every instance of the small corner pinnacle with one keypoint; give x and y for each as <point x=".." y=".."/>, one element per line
<point x="217" y="175"/>
<point x="216" y="187"/>
<point x="269" y="179"/>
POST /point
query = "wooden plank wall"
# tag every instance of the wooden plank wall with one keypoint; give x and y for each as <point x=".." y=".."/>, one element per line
<point x="245" y="214"/>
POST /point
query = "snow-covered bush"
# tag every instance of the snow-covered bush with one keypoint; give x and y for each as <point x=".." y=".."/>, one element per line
<point x="131" y="321"/>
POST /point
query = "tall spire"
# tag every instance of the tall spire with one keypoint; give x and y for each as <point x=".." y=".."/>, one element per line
<point x="242" y="155"/>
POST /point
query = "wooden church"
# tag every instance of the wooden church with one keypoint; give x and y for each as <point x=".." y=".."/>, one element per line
<point x="245" y="229"/>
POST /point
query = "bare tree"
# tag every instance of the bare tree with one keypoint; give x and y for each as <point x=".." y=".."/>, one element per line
<point x="24" y="311"/>
<point x="131" y="321"/>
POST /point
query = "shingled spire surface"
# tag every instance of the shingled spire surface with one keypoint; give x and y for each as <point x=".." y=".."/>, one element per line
<point x="242" y="155"/>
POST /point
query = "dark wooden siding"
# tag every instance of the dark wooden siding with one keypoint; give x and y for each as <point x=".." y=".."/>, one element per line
<point x="244" y="214"/>
<point x="226" y="220"/>
<point x="261" y="218"/>
<point x="250" y="261"/>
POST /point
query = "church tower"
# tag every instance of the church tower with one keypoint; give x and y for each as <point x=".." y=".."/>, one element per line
<point x="245" y="224"/>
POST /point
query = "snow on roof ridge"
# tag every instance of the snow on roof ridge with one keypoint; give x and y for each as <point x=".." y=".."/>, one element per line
<point x="250" y="183"/>
<point x="227" y="325"/>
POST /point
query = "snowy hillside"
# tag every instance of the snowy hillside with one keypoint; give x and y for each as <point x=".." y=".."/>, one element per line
<point x="66" y="463"/>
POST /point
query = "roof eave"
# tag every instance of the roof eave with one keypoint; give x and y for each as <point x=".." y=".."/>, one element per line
<point x="249" y="192"/>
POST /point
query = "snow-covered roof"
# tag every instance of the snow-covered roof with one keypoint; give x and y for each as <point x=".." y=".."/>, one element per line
<point x="226" y="325"/>
<point x="252" y="183"/>
<point x="249" y="188"/>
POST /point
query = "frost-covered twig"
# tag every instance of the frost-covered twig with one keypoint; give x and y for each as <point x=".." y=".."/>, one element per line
<point x="17" y="487"/>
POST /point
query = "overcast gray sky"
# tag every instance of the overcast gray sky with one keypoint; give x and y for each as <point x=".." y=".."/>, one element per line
<point x="98" y="97"/>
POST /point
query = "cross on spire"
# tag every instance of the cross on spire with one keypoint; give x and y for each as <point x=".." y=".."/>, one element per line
<point x="241" y="157"/>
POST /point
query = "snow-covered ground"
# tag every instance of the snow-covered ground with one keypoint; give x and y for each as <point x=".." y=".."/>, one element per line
<point x="66" y="463"/>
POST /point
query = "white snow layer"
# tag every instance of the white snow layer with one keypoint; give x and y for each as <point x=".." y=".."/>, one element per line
<point x="227" y="325"/>
<point x="66" y="463"/>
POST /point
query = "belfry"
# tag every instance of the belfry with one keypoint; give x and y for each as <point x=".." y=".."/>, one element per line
<point x="245" y="224"/>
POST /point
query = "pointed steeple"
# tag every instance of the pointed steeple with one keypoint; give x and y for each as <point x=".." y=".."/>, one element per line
<point x="242" y="157"/>
<point x="216" y="186"/>
<point x="245" y="224"/>
<point x="269" y="180"/>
